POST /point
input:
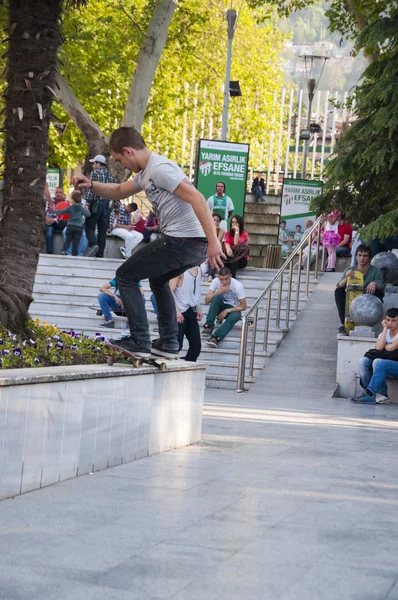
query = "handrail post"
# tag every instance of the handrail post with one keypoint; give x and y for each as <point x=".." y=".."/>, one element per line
<point x="323" y="258"/>
<point x="298" y="282"/>
<point x="318" y="239"/>
<point x="289" y="293"/>
<point x="267" y="318"/>
<point x="278" y="307"/>
<point x="240" y="384"/>
<point x="307" y="275"/>
<point x="254" y="335"/>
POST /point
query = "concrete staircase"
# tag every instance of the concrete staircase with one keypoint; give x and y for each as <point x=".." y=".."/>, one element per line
<point x="66" y="287"/>
<point x="262" y="224"/>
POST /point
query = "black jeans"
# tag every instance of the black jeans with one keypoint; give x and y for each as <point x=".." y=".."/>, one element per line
<point x="238" y="264"/>
<point x="339" y="296"/>
<point x="160" y="261"/>
<point x="73" y="235"/>
<point x="190" y="328"/>
<point x="100" y="220"/>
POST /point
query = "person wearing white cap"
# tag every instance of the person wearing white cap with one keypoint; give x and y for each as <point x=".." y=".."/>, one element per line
<point x="99" y="208"/>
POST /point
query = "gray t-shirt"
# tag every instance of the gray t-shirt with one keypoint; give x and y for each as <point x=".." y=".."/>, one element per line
<point x="159" y="180"/>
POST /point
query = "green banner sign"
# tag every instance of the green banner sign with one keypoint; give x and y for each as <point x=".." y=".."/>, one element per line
<point x="224" y="162"/>
<point x="53" y="180"/>
<point x="296" y="198"/>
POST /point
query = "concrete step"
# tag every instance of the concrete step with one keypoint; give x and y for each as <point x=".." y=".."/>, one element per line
<point x="266" y="218"/>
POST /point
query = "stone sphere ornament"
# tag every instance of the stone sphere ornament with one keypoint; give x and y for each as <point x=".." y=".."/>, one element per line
<point x="366" y="310"/>
<point x="387" y="262"/>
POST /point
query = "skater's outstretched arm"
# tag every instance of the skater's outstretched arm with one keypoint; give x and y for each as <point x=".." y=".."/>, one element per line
<point x="115" y="191"/>
<point x="189" y="194"/>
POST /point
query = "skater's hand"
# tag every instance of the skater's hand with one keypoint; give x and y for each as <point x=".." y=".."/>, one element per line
<point x="199" y="315"/>
<point x="350" y="273"/>
<point x="180" y="317"/>
<point x="371" y="288"/>
<point x="118" y="301"/>
<point x="81" y="181"/>
<point x="223" y="315"/>
<point x="215" y="254"/>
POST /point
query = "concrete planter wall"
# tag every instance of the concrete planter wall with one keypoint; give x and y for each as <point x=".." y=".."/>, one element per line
<point x="62" y="422"/>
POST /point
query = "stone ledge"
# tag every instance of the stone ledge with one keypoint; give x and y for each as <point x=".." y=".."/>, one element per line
<point x="78" y="372"/>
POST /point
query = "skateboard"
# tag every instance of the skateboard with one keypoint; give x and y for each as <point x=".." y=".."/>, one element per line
<point x="134" y="359"/>
<point x="354" y="289"/>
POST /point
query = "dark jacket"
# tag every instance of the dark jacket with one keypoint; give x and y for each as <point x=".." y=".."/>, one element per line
<point x="258" y="183"/>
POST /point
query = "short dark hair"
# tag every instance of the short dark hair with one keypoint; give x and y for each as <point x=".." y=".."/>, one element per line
<point x="298" y="225"/>
<point x="77" y="196"/>
<point x="364" y="248"/>
<point x="282" y="222"/>
<point x="392" y="313"/>
<point x="225" y="187"/>
<point x="224" y="271"/>
<point x="126" y="137"/>
<point x="133" y="206"/>
<point x="217" y="215"/>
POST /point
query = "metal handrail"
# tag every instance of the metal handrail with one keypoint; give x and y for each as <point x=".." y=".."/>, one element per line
<point x="251" y="317"/>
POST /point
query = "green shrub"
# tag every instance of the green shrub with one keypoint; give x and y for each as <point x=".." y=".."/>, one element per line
<point x="47" y="346"/>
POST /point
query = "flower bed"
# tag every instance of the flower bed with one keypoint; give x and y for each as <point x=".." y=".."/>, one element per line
<point x="47" y="346"/>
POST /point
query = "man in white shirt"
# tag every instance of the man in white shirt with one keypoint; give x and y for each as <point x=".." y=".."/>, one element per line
<point x="374" y="372"/>
<point x="227" y="300"/>
<point x="187" y="291"/>
<point x="221" y="204"/>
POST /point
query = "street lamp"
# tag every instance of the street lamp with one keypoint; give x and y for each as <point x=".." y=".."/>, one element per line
<point x="313" y="62"/>
<point x="231" y="19"/>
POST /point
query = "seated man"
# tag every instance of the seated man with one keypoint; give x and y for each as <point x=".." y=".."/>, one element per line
<point x="285" y="238"/>
<point x="345" y="233"/>
<point x="372" y="279"/>
<point x="227" y="299"/>
<point x="110" y="301"/>
<point x="374" y="373"/>
<point x="186" y="289"/>
<point x="258" y="187"/>
<point x="122" y="227"/>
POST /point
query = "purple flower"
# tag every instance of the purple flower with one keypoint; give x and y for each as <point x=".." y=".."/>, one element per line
<point x="73" y="347"/>
<point x="1" y="362"/>
<point x="56" y="337"/>
<point x="34" y="344"/>
<point x="99" y="338"/>
<point x="14" y="338"/>
<point x="36" y="361"/>
<point x="48" y="347"/>
<point x="60" y="345"/>
<point x="24" y="343"/>
<point x="4" y="352"/>
<point x="17" y="352"/>
<point x="1" y="341"/>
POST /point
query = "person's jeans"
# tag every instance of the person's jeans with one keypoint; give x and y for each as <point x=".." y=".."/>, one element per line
<point x="100" y="220"/>
<point x="82" y="246"/>
<point x="161" y="260"/>
<point x="107" y="303"/>
<point x="390" y="243"/>
<point x="259" y="193"/>
<point x="339" y="296"/>
<point x="342" y="251"/>
<point x="217" y="305"/>
<point x="49" y="231"/>
<point x="373" y="374"/>
<point x="190" y="328"/>
<point x="238" y="264"/>
<point x="73" y="235"/>
<point x="131" y="238"/>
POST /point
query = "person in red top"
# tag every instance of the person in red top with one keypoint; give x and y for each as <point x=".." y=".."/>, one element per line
<point x="60" y="203"/>
<point x="236" y="244"/>
<point x="345" y="233"/>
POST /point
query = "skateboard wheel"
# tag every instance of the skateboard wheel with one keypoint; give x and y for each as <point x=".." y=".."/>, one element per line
<point x="137" y="363"/>
<point x="162" y="367"/>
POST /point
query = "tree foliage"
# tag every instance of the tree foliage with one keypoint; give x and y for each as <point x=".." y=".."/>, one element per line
<point x="363" y="176"/>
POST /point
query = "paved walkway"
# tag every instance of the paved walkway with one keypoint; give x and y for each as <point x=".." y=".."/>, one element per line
<point x="291" y="495"/>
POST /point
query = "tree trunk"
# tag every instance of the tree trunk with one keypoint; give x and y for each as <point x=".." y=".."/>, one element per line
<point x="361" y="21"/>
<point x="34" y="39"/>
<point x="96" y="140"/>
<point x="148" y="60"/>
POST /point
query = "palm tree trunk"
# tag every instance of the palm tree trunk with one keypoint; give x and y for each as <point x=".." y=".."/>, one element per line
<point x="34" y="39"/>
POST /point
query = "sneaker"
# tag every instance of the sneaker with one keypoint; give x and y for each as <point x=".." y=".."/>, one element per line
<point x="212" y="342"/>
<point x="130" y="345"/>
<point x="156" y="329"/>
<point x="329" y="270"/>
<point x="342" y="330"/>
<point x="207" y="330"/>
<point x="110" y="324"/>
<point x="91" y="251"/>
<point x="366" y="398"/>
<point x="158" y="349"/>
<point x="380" y="399"/>
<point x="63" y="252"/>
<point x="123" y="251"/>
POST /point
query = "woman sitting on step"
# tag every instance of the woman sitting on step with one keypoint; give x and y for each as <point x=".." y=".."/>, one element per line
<point x="236" y="246"/>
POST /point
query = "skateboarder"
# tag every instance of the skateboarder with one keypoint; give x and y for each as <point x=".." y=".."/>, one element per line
<point x="188" y="236"/>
